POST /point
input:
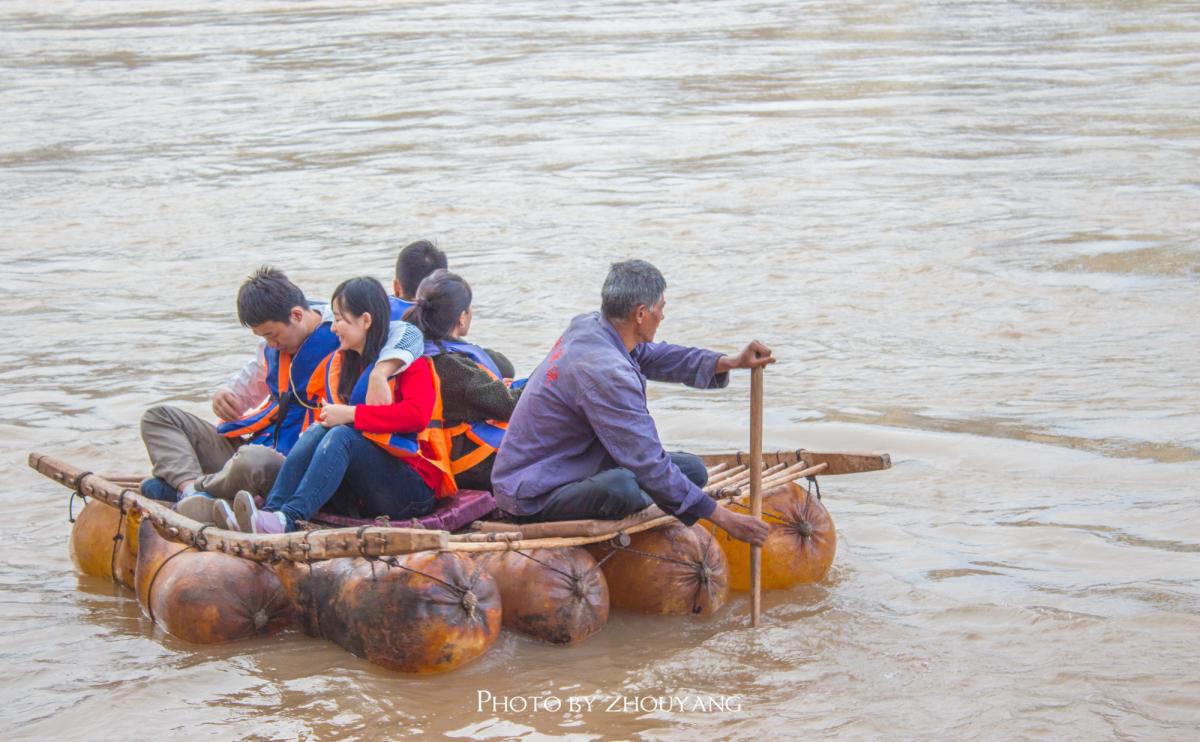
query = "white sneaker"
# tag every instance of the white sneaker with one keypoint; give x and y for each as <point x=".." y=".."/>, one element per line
<point x="198" y="507"/>
<point x="223" y="515"/>
<point x="252" y="520"/>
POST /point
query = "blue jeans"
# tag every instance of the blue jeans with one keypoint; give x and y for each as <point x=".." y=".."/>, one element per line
<point x="339" y="470"/>
<point x="610" y="495"/>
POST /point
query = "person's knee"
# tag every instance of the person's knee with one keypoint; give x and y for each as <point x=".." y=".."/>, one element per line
<point x="692" y="467"/>
<point x="257" y="456"/>
<point x="313" y="435"/>
<point x="338" y="437"/>
<point x="255" y="461"/>
<point x="625" y="497"/>
<point x="156" y="415"/>
<point x="625" y="489"/>
<point x="251" y="468"/>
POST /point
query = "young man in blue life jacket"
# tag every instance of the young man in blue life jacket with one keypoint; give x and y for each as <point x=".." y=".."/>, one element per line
<point x="262" y="407"/>
<point x="413" y="265"/>
<point x="581" y="443"/>
<point x="416" y="261"/>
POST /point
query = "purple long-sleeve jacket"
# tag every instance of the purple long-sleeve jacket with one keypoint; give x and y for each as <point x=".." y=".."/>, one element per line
<point x="584" y="410"/>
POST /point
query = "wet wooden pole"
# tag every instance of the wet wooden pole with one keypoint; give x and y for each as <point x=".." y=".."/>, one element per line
<point x="756" y="463"/>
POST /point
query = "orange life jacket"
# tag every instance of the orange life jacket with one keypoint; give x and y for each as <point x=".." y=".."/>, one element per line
<point x="486" y="435"/>
<point x="428" y="444"/>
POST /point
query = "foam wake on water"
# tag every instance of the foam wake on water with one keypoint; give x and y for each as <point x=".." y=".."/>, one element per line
<point x="1145" y="261"/>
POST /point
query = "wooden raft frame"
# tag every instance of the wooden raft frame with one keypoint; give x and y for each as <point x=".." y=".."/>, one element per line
<point x="728" y="478"/>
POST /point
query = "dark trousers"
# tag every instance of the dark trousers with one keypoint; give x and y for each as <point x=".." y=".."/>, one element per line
<point x="339" y="469"/>
<point x="612" y="494"/>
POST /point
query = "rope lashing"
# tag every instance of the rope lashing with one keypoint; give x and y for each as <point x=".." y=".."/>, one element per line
<point x="118" y="537"/>
<point x="600" y="562"/>
<point x="362" y="550"/>
<point x="550" y="567"/>
<point x="306" y="547"/>
<point x="467" y="598"/>
<point x="575" y="580"/>
<point x="700" y="567"/>
<point x="469" y="604"/>
<point x="77" y="484"/>
<point x="154" y="579"/>
<point x="805" y="527"/>
<point x="76" y="491"/>
<point x="704" y="573"/>
<point x="71" y="504"/>
<point x="802" y="526"/>
<point x="200" y="541"/>
<point x="261" y="618"/>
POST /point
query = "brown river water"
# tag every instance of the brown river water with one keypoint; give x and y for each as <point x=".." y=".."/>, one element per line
<point x="968" y="229"/>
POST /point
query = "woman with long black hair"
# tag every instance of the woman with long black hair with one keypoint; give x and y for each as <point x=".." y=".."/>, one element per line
<point x="357" y="459"/>
<point x="477" y="391"/>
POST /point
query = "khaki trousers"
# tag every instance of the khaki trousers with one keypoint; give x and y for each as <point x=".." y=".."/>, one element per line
<point x="184" y="447"/>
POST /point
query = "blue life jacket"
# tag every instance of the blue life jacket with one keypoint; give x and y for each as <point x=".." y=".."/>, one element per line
<point x="279" y="420"/>
<point x="399" y="307"/>
<point x="477" y="354"/>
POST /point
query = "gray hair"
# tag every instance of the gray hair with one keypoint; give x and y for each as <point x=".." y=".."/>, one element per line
<point x="629" y="284"/>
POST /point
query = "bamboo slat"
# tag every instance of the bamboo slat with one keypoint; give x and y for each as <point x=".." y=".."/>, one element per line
<point x="481" y="537"/>
<point x="123" y="478"/>
<point x="725" y="476"/>
<point x="742" y="479"/>
<point x="559" y="542"/>
<point x="735" y="481"/>
<point x="839" y="463"/>
<point x="370" y="541"/>
<point x="789" y="474"/>
<point x="714" y="470"/>
<point x="570" y="528"/>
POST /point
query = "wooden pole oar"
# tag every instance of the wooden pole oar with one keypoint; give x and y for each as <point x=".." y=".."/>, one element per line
<point x="756" y="465"/>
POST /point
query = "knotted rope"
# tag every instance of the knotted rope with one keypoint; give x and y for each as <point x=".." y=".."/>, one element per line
<point x="76" y="491"/>
<point x="802" y="525"/>
<point x="700" y="566"/>
<point x="575" y="580"/>
<point x="467" y="598"/>
<point x="200" y="541"/>
<point x="154" y="579"/>
<point x="118" y="537"/>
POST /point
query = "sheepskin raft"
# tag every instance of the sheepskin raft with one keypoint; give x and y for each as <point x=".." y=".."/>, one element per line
<point x="431" y="595"/>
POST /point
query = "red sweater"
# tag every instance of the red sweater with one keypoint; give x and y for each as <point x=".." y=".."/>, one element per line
<point x="409" y="412"/>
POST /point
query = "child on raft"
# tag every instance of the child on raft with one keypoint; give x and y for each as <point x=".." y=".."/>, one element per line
<point x="357" y="459"/>
<point x="477" y="391"/>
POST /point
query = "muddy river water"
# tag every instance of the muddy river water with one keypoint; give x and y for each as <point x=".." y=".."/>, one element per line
<point x="968" y="229"/>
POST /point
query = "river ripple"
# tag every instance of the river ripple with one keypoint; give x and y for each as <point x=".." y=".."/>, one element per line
<point x="969" y="230"/>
